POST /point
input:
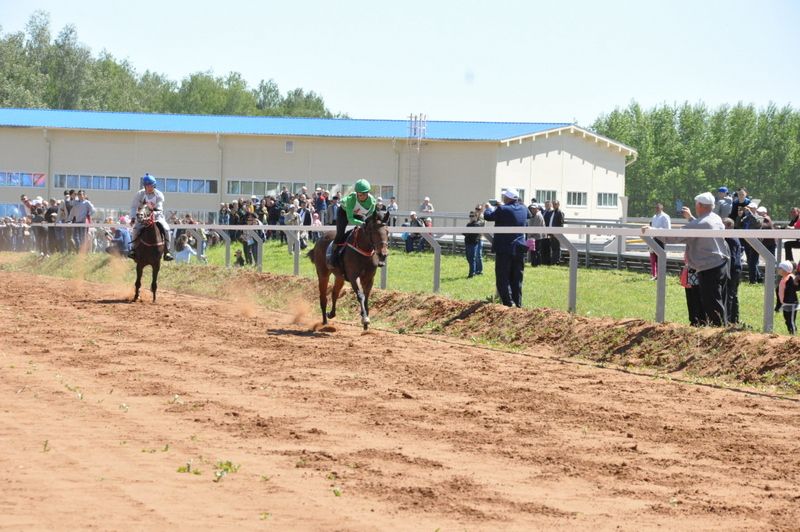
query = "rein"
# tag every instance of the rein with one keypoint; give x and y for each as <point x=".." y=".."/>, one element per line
<point x="357" y="249"/>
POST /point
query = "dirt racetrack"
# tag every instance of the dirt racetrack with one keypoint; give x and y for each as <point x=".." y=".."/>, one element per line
<point x="102" y="401"/>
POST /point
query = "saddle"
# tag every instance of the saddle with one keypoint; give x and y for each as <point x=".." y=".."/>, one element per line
<point x="331" y="251"/>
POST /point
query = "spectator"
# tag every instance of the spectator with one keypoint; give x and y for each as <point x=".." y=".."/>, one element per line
<point x="708" y="257"/>
<point x="794" y="223"/>
<point x="735" y="251"/>
<point x="509" y="249"/>
<point x="724" y="203"/>
<point x="474" y="247"/>
<point x="426" y="206"/>
<point x="739" y="201"/>
<point x="786" y="293"/>
<point x="249" y="238"/>
<point x="183" y="251"/>
<point x="292" y="237"/>
<point x="413" y="242"/>
<point x="766" y="223"/>
<point x="81" y="212"/>
<point x="393" y="206"/>
<point x="321" y="205"/>
<point x="333" y="211"/>
<point x="316" y="223"/>
<point x="120" y="243"/>
<point x="540" y="240"/>
<point x="554" y="218"/>
<point x="748" y="218"/>
<point x="660" y="221"/>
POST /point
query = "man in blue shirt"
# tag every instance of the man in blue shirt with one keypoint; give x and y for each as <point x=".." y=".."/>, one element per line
<point x="510" y="249"/>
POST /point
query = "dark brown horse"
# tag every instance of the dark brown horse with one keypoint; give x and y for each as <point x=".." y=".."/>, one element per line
<point x="149" y="248"/>
<point x="365" y="250"/>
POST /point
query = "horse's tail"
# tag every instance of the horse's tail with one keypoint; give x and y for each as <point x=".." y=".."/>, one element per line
<point x="310" y="254"/>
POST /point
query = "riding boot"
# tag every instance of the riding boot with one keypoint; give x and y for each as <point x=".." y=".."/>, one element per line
<point x="167" y="255"/>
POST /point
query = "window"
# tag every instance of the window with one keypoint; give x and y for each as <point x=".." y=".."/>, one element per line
<point x="86" y="181"/>
<point x="606" y="199"/>
<point x="297" y="188"/>
<point x="576" y="199"/>
<point x="161" y="183"/>
<point x="198" y="186"/>
<point x="26" y="180"/>
<point x="233" y="187"/>
<point x="13" y="179"/>
<point x="124" y="183"/>
<point x="112" y="183"/>
<point x="98" y="182"/>
<point x="211" y="186"/>
<point x="172" y="185"/>
<point x="3" y="179"/>
<point x="185" y="185"/>
<point x="272" y="188"/>
<point x="289" y="148"/>
<point x="59" y="180"/>
<point x="545" y="195"/>
<point x="259" y="188"/>
<point x="246" y="188"/>
<point x="72" y="181"/>
<point x="387" y="191"/>
<point x="39" y="180"/>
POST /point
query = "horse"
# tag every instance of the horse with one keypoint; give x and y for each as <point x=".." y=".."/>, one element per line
<point x="365" y="250"/>
<point x="149" y="247"/>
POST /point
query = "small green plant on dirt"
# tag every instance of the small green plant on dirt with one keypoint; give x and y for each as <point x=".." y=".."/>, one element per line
<point x="188" y="469"/>
<point x="222" y="469"/>
<point x="46" y="446"/>
<point x="337" y="492"/>
<point x="264" y="516"/>
<point x="265" y="478"/>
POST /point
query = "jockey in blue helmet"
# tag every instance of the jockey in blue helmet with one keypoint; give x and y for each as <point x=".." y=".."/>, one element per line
<point x="155" y="200"/>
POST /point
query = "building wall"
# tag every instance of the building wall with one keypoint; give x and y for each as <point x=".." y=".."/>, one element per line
<point x="565" y="163"/>
<point x="456" y="175"/>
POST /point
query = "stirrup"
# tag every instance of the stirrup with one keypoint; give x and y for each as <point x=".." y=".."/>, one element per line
<point x="132" y="254"/>
<point x="168" y="256"/>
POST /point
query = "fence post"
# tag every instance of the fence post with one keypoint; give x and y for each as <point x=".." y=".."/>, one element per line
<point x="437" y="259"/>
<point x="661" y="282"/>
<point x="769" y="281"/>
<point x="384" y="273"/>
<point x="296" y="252"/>
<point x="259" y="250"/>
<point x="227" y="238"/>
<point x="588" y="245"/>
<point x="572" y="299"/>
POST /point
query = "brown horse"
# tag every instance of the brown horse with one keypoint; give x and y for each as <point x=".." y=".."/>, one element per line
<point x="365" y="250"/>
<point x="149" y="248"/>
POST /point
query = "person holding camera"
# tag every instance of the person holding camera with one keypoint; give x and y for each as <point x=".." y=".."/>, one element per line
<point x="510" y="249"/>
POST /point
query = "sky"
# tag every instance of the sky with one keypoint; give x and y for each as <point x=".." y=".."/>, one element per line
<point x="510" y="61"/>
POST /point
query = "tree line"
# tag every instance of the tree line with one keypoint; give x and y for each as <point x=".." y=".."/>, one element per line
<point x="688" y="149"/>
<point x="39" y="71"/>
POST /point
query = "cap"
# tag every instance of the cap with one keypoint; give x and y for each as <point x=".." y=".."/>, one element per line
<point x="427" y="198"/>
<point x="704" y="199"/>
<point x="511" y="193"/>
<point x="722" y="189"/>
<point x="761" y="210"/>
<point x="786" y="266"/>
<point x="412" y="213"/>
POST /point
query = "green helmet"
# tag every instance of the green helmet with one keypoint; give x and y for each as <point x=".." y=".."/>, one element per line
<point x="362" y="185"/>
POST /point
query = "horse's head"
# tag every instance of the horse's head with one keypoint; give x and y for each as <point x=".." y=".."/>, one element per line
<point x="145" y="215"/>
<point x="377" y="233"/>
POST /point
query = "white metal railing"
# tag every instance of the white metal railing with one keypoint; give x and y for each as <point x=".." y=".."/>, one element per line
<point x="752" y="236"/>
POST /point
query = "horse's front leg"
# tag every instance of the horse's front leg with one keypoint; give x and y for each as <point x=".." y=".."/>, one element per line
<point x="359" y="291"/>
<point x="154" y="285"/>
<point x="367" y="286"/>
<point x="138" y="284"/>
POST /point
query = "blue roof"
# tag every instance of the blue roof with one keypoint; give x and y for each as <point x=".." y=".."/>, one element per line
<point x="283" y="126"/>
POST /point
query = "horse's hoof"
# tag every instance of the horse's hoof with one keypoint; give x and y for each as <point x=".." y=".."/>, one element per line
<point x="331" y="315"/>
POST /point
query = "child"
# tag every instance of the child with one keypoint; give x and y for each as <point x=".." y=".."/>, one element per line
<point x="786" y="292"/>
<point x="239" y="260"/>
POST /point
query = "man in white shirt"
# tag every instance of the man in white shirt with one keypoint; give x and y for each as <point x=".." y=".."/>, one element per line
<point x="660" y="221"/>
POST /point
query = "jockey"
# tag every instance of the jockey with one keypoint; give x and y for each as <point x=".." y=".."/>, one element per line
<point x="155" y="200"/>
<point x="357" y="207"/>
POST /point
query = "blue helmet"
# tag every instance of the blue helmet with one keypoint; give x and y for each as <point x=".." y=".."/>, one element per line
<point x="148" y="180"/>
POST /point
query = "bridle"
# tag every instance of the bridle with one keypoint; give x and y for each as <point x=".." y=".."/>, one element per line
<point x="354" y="242"/>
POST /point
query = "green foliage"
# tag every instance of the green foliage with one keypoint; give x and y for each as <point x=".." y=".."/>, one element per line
<point x="38" y="72"/>
<point x="688" y="149"/>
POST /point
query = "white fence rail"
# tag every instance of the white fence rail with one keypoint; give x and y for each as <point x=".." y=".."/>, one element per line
<point x="432" y="234"/>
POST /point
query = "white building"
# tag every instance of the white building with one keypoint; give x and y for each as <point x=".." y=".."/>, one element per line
<point x="202" y="161"/>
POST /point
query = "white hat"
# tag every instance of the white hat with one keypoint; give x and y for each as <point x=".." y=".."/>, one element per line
<point x="706" y="198"/>
<point x="412" y="213"/>
<point x="511" y="193"/>
<point x="427" y="198"/>
<point x="761" y="210"/>
<point x="786" y="266"/>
